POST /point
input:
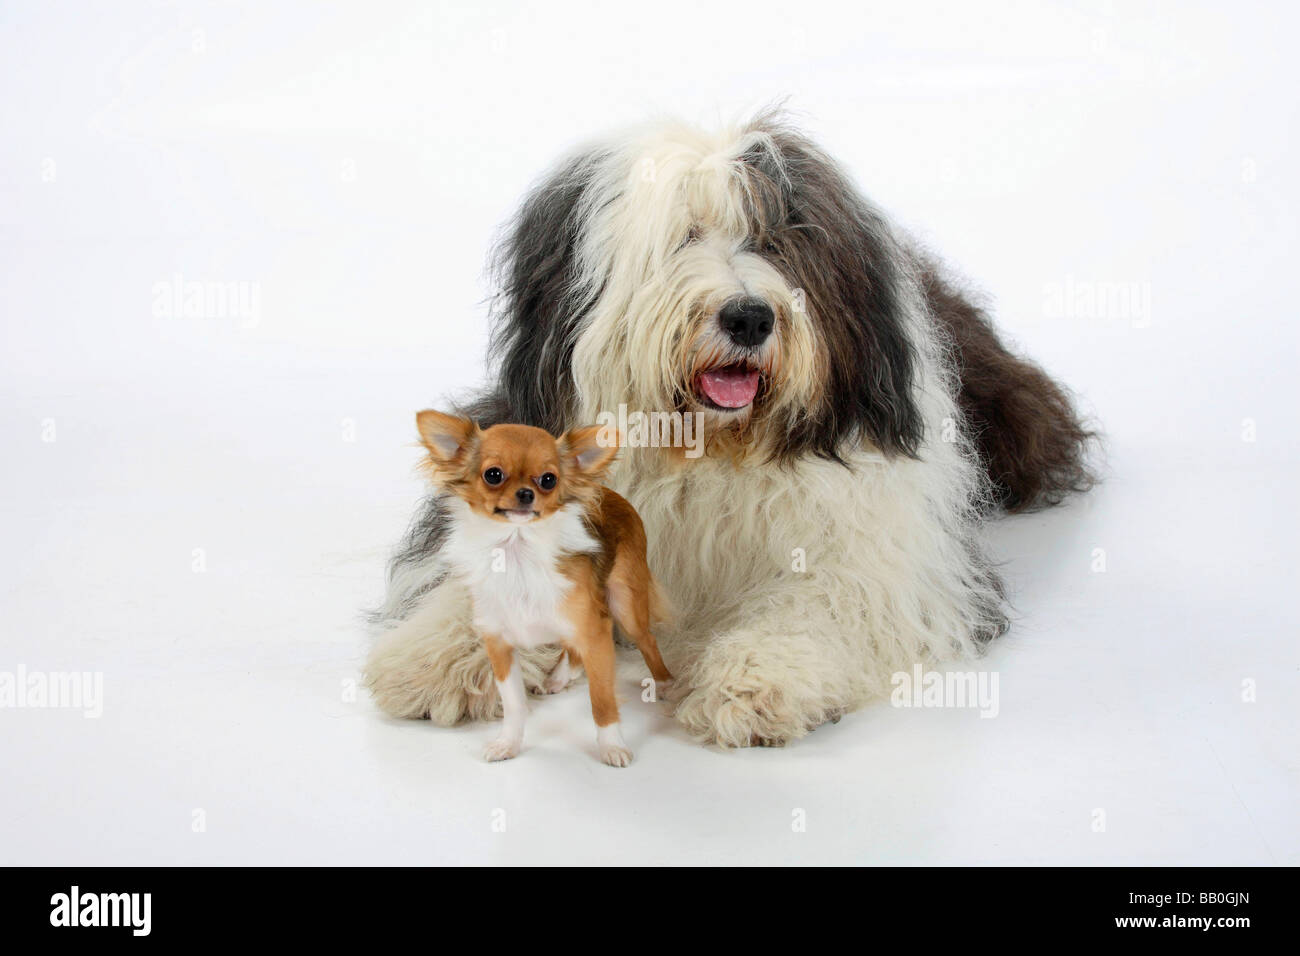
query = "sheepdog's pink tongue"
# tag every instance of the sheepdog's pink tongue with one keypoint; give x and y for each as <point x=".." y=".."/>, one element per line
<point x="730" y="387"/>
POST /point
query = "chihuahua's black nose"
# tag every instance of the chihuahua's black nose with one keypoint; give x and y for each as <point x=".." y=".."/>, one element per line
<point x="525" y="496"/>
<point x="747" y="321"/>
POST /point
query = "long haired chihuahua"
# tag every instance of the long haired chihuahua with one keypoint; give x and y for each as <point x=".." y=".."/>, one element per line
<point x="550" y="557"/>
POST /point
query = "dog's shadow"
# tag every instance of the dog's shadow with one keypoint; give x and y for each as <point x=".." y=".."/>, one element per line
<point x="1045" y="552"/>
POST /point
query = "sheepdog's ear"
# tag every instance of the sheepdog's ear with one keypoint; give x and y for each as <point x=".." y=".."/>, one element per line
<point x="541" y="299"/>
<point x="590" y="450"/>
<point x="842" y="252"/>
<point x="450" y="439"/>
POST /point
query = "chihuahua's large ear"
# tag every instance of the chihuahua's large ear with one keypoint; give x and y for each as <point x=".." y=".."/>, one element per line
<point x="590" y="449"/>
<point x="448" y="437"/>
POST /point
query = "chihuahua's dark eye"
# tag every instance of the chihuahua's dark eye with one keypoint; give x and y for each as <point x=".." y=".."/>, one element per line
<point x="546" y="482"/>
<point x="493" y="476"/>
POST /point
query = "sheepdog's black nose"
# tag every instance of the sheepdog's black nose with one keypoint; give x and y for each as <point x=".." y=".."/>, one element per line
<point x="747" y="321"/>
<point x="525" y="496"/>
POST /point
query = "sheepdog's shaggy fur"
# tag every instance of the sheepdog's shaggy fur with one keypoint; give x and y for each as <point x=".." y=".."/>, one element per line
<point x="829" y="535"/>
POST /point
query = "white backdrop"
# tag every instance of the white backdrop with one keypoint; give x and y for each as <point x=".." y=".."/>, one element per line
<point x="198" y="506"/>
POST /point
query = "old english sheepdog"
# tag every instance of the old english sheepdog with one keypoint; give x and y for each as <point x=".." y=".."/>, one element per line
<point x="861" y="419"/>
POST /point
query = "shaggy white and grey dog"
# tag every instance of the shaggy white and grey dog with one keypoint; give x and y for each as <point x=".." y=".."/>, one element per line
<point x="861" y="417"/>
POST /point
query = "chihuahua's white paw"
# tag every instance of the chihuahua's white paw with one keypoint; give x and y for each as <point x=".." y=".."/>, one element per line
<point x="556" y="682"/>
<point x="560" y="677"/>
<point x="616" y="756"/>
<point x="663" y="688"/>
<point x="502" y="748"/>
<point x="612" y="749"/>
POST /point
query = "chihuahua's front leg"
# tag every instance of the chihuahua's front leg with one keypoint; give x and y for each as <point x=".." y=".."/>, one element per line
<point x="514" y="701"/>
<point x="598" y="656"/>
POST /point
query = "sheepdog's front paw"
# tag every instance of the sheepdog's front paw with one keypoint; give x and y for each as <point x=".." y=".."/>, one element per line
<point x="502" y="748"/>
<point x="738" y="697"/>
<point x="734" y="717"/>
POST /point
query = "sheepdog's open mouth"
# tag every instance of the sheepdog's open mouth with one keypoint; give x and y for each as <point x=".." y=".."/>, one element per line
<point x="728" y="388"/>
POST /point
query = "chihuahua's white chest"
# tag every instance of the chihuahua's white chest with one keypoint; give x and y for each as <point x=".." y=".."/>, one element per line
<point x="513" y="574"/>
